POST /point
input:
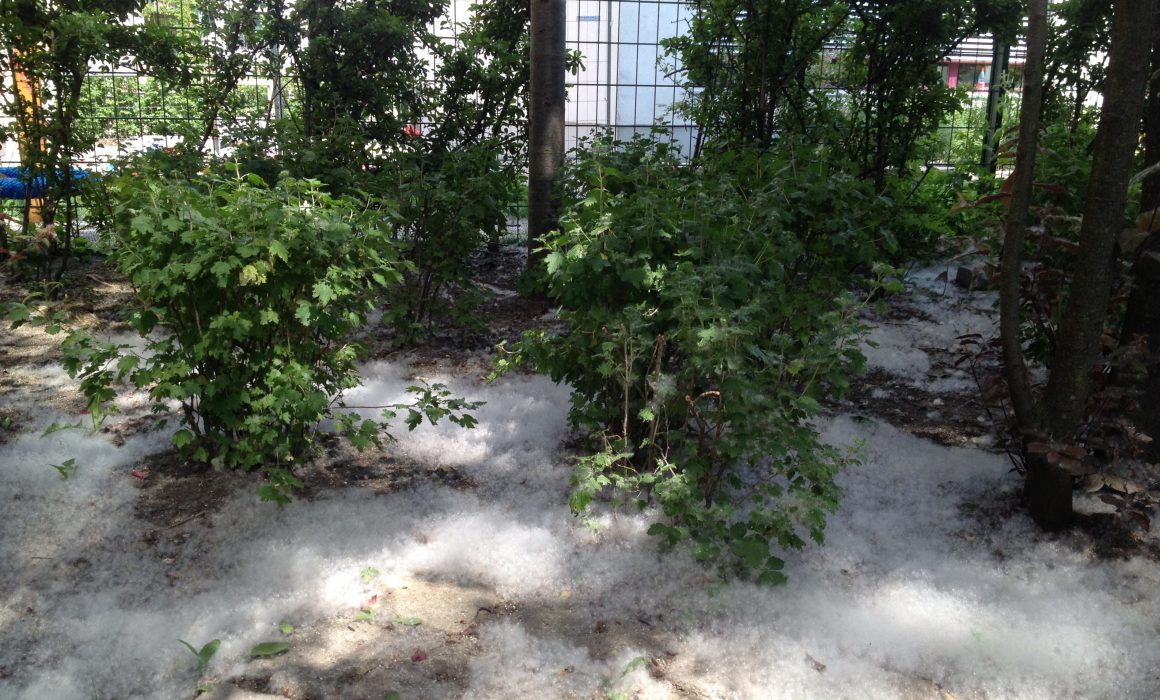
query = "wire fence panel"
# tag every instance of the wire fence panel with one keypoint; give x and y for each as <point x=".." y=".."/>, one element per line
<point x="988" y="78"/>
<point x="625" y="83"/>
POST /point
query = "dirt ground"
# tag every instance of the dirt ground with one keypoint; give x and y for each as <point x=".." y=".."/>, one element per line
<point x="358" y="658"/>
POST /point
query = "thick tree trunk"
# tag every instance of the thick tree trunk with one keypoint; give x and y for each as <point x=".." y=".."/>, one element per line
<point x="1142" y="317"/>
<point x="545" y="118"/>
<point x="1082" y="327"/>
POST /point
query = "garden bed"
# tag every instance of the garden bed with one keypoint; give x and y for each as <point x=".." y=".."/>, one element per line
<point x="449" y="565"/>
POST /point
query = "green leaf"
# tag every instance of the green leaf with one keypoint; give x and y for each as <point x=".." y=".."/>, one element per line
<point x="285" y="628"/>
<point x="708" y="335"/>
<point x="268" y="649"/>
<point x="251" y="275"/>
<point x="635" y="277"/>
<point x="554" y="262"/>
<point x="66" y="468"/>
<point x="809" y="404"/>
<point x="57" y="427"/>
<point x="182" y="438"/>
<point x="753" y="551"/>
<point x="304" y="313"/>
<point x="324" y="293"/>
<point x="771" y="578"/>
<point x="18" y="314"/>
<point x="209" y="649"/>
<point x="205" y="654"/>
<point x="221" y="269"/>
<point x="127" y="364"/>
<point x="278" y="250"/>
<point x="408" y="621"/>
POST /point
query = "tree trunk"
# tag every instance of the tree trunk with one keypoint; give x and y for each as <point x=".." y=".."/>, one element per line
<point x="1082" y="327"/>
<point x="1048" y="489"/>
<point x="1150" y="192"/>
<point x="1142" y="317"/>
<point x="1011" y="257"/>
<point x="545" y="118"/>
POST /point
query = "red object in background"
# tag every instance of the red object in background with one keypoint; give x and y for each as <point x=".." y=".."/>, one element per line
<point x="412" y="131"/>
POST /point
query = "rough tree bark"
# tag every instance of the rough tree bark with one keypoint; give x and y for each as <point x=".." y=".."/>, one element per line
<point x="545" y="118"/>
<point x="1082" y="326"/>
<point x="1142" y="317"/>
<point x="1011" y="257"/>
<point x="1048" y="489"/>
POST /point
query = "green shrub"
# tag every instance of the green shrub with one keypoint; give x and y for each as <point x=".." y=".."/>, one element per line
<point x="248" y="298"/>
<point x="924" y="223"/>
<point x="710" y="312"/>
<point x="438" y="204"/>
<point x="449" y="204"/>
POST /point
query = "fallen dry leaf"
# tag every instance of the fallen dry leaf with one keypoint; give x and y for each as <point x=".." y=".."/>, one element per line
<point x="1119" y="483"/>
<point x="817" y="665"/>
<point x="1093" y="483"/>
<point x="1141" y="519"/>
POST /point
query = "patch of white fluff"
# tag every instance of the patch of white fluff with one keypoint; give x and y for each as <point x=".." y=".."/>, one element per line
<point x="899" y="593"/>
<point x="892" y="349"/>
<point x="902" y="347"/>
<point x="516" y="664"/>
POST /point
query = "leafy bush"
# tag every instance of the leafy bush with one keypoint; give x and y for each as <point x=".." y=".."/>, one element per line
<point x="438" y="205"/>
<point x="710" y="312"/>
<point x="922" y="225"/>
<point x="385" y="106"/>
<point x="449" y="204"/>
<point x="248" y="296"/>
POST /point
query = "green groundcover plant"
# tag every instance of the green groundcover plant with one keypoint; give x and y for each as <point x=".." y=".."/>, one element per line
<point x="249" y="295"/>
<point x="710" y="311"/>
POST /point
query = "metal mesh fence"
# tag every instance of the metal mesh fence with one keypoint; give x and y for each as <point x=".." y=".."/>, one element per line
<point x="992" y="79"/>
<point x="625" y="83"/>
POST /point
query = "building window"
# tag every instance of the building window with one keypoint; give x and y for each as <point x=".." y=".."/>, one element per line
<point x="972" y="76"/>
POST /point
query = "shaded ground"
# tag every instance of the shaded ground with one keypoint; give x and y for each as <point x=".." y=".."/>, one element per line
<point x="455" y="631"/>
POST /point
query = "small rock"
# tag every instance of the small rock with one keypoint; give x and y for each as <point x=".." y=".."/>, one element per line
<point x="973" y="279"/>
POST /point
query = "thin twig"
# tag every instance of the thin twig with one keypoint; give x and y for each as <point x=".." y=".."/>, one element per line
<point x="184" y="520"/>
